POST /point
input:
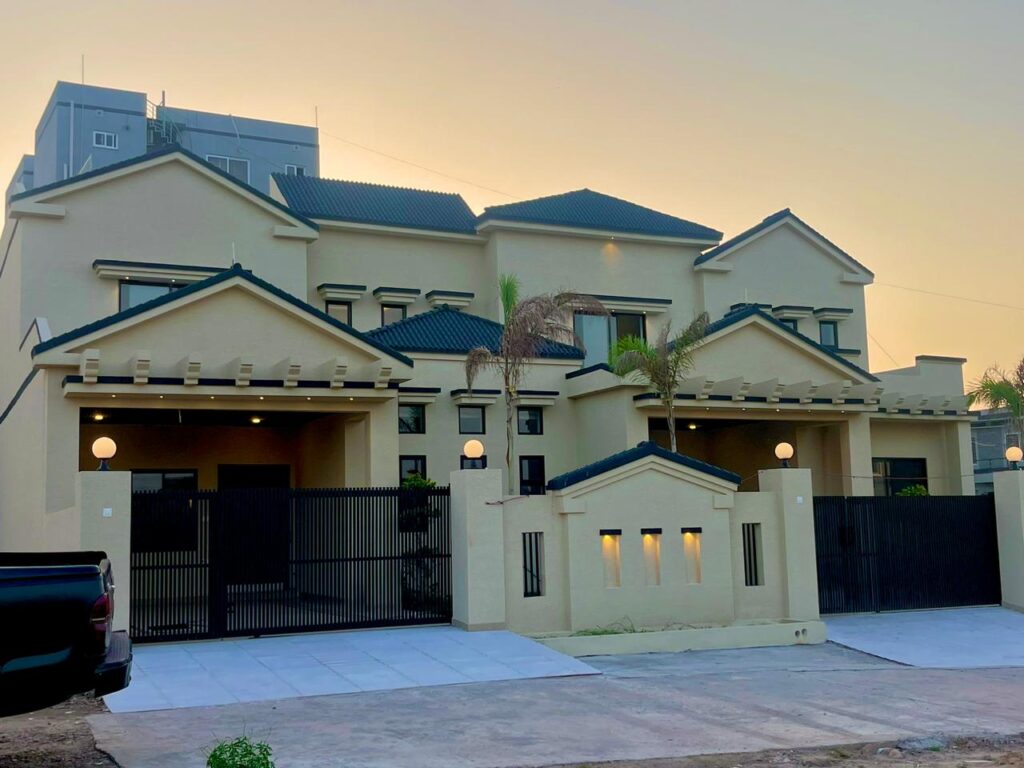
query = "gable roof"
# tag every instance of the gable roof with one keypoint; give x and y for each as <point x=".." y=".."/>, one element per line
<point x="169" y="149"/>
<point x="448" y="331"/>
<point x="235" y="271"/>
<point x="362" y="203"/>
<point x="586" y="209"/>
<point x="630" y="455"/>
<point x="768" y="222"/>
<point x="752" y="310"/>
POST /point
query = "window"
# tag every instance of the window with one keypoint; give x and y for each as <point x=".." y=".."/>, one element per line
<point x="893" y="475"/>
<point x="467" y="463"/>
<point x="472" y="420"/>
<point x="235" y="166"/>
<point x="412" y="465"/>
<point x="412" y="419"/>
<point x="294" y="170"/>
<point x="691" y="554"/>
<point x="340" y="310"/>
<point x="104" y="139"/>
<point x="628" y="324"/>
<point x="1012" y="440"/>
<point x="132" y="293"/>
<point x="531" y="475"/>
<point x="753" y="568"/>
<point x="828" y="331"/>
<point x="391" y="313"/>
<point x="611" y="553"/>
<point x="162" y="480"/>
<point x="792" y="323"/>
<point x="533" y="564"/>
<point x="652" y="555"/>
<point x="531" y="420"/>
<point x="597" y="333"/>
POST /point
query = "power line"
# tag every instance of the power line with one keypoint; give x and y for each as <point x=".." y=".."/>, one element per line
<point x="952" y="296"/>
<point x="419" y="166"/>
<point x="879" y="345"/>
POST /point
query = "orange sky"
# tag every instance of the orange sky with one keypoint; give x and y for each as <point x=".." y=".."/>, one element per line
<point x="894" y="128"/>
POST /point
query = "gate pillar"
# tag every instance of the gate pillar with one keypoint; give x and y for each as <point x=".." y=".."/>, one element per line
<point x="795" y="505"/>
<point x="1009" y="502"/>
<point x="104" y="510"/>
<point x="478" y="549"/>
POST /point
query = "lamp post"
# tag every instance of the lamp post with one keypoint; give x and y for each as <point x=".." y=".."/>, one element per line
<point x="103" y="448"/>
<point x="784" y="452"/>
<point x="1013" y="455"/>
<point x="473" y="450"/>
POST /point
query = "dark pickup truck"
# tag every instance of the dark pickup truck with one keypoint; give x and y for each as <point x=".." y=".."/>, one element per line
<point x="56" y="636"/>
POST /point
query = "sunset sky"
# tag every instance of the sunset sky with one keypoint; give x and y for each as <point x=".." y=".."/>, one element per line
<point x="896" y="129"/>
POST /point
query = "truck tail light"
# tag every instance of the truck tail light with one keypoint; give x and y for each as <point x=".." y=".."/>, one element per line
<point x="100" y="616"/>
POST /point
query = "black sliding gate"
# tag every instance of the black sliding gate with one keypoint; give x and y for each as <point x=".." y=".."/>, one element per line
<point x="244" y="562"/>
<point x="890" y="553"/>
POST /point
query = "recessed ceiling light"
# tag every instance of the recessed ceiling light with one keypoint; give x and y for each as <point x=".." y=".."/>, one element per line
<point x="98" y="417"/>
<point x="256" y="419"/>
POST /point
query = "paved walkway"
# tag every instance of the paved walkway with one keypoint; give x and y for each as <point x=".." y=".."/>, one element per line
<point x="232" y="671"/>
<point x="661" y="705"/>
<point x="956" y="638"/>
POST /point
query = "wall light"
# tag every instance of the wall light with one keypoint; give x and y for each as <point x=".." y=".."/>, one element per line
<point x="256" y="419"/>
<point x="103" y="448"/>
<point x="98" y="417"/>
<point x="691" y="425"/>
<point x="1013" y="455"/>
<point x="473" y="449"/>
<point x="784" y="452"/>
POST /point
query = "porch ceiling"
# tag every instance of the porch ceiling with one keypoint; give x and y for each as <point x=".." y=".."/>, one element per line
<point x="198" y="417"/>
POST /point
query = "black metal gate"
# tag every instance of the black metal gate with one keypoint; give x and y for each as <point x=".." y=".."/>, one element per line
<point x="890" y="553"/>
<point x="259" y="561"/>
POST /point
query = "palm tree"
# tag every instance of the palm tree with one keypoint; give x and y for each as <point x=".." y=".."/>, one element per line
<point x="528" y="323"/>
<point x="998" y="389"/>
<point x="662" y="365"/>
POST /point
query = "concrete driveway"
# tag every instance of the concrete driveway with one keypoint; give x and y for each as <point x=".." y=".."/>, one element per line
<point x="955" y="638"/>
<point x="659" y="705"/>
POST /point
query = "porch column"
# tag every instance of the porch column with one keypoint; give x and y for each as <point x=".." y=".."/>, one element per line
<point x="381" y="434"/>
<point x="104" y="507"/>
<point x="478" y="549"/>
<point x="795" y="503"/>
<point x="961" y="461"/>
<point x="855" y="450"/>
<point x="1009" y="500"/>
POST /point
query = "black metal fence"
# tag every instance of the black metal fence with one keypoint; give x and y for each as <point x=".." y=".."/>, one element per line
<point x="892" y="553"/>
<point x="260" y="561"/>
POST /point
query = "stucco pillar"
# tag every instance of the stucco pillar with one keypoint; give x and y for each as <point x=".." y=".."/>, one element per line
<point x="1009" y="499"/>
<point x="478" y="549"/>
<point x="357" y="453"/>
<point x="795" y="503"/>
<point x="104" y="502"/>
<point x="382" y="444"/>
<point x="855" y="449"/>
<point x="962" y="459"/>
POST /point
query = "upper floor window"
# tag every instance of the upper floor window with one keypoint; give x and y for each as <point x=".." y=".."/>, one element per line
<point x="294" y="170"/>
<point x="132" y="293"/>
<point x="597" y="333"/>
<point x="236" y="166"/>
<point x="531" y="420"/>
<point x="531" y="475"/>
<point x="391" y="313"/>
<point x="472" y="420"/>
<point x="792" y="323"/>
<point x="412" y="419"/>
<point x="104" y="139"/>
<point x="828" y="331"/>
<point x="340" y="310"/>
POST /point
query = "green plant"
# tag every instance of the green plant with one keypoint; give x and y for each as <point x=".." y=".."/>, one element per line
<point x="240" y="753"/>
<point x="623" y="627"/>
<point x="662" y="365"/>
<point x="998" y="389"/>
<point x="416" y="481"/>
<point x="913" y="490"/>
<point x="528" y="323"/>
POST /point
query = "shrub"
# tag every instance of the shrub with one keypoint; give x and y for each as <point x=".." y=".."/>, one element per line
<point x="416" y="481"/>
<point x="913" y="490"/>
<point x="240" y="753"/>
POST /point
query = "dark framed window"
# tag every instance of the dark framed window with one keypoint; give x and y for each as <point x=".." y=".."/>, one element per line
<point x="412" y="465"/>
<point x="533" y="563"/>
<point x="597" y="333"/>
<point x="412" y="419"/>
<point x="340" y="310"/>
<point x="792" y="323"/>
<point x="628" y="324"/>
<point x="131" y="293"/>
<point x="828" y="332"/>
<point x="893" y="475"/>
<point x="472" y="420"/>
<point x="753" y="558"/>
<point x="236" y="166"/>
<point x="531" y="420"/>
<point x="467" y="463"/>
<point x="294" y="170"/>
<point x="531" y="475"/>
<point x="391" y="313"/>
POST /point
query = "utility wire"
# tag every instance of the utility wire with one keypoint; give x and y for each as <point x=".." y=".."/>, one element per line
<point x="952" y="296"/>
<point x="879" y="345"/>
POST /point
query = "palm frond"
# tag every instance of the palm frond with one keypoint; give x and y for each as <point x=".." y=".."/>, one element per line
<point x="996" y="390"/>
<point x="476" y="361"/>
<point x="508" y="291"/>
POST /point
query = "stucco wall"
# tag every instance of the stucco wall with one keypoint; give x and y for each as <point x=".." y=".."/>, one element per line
<point x="937" y="443"/>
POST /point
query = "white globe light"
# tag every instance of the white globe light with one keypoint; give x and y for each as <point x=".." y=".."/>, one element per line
<point x="104" y="448"/>
<point x="473" y="449"/>
<point x="1013" y="453"/>
<point x="784" y="451"/>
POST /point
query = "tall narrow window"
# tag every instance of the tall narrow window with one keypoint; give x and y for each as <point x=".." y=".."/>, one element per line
<point x="531" y="475"/>
<point x="691" y="554"/>
<point x="531" y="420"/>
<point x="611" y="554"/>
<point x="652" y="555"/>
<point x="412" y="419"/>
<point x="533" y="563"/>
<point x="753" y="567"/>
<point x="829" y="333"/>
<point x="340" y="310"/>
<point x="593" y="333"/>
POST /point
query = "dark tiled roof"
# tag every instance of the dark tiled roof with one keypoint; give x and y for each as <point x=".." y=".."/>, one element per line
<point x="775" y="218"/>
<point x="227" y="274"/>
<point x="587" y="209"/>
<point x="632" y="454"/>
<point x="378" y="204"/>
<point x="449" y="331"/>
<point x="169" y="149"/>
<point x="735" y="316"/>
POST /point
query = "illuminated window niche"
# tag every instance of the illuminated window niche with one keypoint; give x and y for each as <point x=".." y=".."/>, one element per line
<point x="611" y="553"/>
<point x="691" y="554"/>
